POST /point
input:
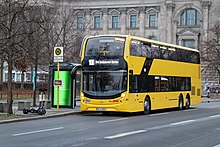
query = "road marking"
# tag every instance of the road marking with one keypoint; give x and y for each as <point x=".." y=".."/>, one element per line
<point x="79" y="130"/>
<point x="214" y="116"/>
<point x="214" y="107"/>
<point x="81" y="144"/>
<point x="125" y="134"/>
<point x="38" y="131"/>
<point x="190" y="110"/>
<point x="165" y="126"/>
<point x="159" y="114"/>
<point x="218" y="145"/>
<point x="94" y="138"/>
<point x="84" y="142"/>
<point x="158" y="127"/>
<point x="182" y="122"/>
<point x="112" y="120"/>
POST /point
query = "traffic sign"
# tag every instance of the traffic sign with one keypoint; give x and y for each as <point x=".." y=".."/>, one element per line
<point x="58" y="54"/>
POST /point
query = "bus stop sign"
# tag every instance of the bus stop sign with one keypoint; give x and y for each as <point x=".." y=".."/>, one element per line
<point x="58" y="54"/>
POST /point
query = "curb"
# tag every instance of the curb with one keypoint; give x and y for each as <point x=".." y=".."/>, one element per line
<point x="67" y="113"/>
<point x="38" y="117"/>
<point x="210" y="101"/>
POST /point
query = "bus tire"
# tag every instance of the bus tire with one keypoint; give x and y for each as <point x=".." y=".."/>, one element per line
<point x="180" y="103"/>
<point x="147" y="106"/>
<point x="187" y="102"/>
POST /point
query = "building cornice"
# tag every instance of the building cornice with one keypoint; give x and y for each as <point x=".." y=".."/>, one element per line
<point x="170" y="6"/>
<point x="206" y="4"/>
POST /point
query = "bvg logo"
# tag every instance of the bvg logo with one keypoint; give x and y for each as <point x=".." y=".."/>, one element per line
<point x="58" y="51"/>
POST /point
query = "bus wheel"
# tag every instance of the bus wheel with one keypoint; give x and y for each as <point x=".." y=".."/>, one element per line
<point x="187" y="102"/>
<point x="147" y="106"/>
<point x="180" y="106"/>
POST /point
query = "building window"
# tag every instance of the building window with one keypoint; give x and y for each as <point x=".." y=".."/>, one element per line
<point x="133" y="21"/>
<point x="152" y="20"/>
<point x="18" y="77"/>
<point x="190" y="17"/>
<point x="6" y="77"/>
<point x="153" y="38"/>
<point x="28" y="77"/>
<point x="115" y="22"/>
<point x="188" y="43"/>
<point x="13" y="77"/>
<point x="97" y="22"/>
<point x="79" y="22"/>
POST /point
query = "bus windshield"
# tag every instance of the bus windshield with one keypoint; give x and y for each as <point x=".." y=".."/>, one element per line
<point x="105" y="46"/>
<point x="104" y="83"/>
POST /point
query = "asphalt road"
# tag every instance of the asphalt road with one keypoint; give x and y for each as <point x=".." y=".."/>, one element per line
<point x="196" y="127"/>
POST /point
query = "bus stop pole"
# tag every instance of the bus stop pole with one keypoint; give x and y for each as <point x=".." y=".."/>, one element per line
<point x="58" y="93"/>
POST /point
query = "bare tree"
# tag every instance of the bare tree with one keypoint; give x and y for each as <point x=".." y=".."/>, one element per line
<point x="12" y="23"/>
<point x="21" y="64"/>
<point x="210" y="51"/>
<point x="66" y="33"/>
<point x="59" y="27"/>
<point x="32" y="31"/>
<point x="34" y="44"/>
<point x="48" y="27"/>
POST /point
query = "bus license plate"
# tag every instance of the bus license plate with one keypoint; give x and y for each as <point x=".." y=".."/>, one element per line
<point x="100" y="109"/>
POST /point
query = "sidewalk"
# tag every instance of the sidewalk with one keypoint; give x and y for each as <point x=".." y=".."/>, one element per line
<point x="213" y="98"/>
<point x="19" y="116"/>
<point x="50" y="113"/>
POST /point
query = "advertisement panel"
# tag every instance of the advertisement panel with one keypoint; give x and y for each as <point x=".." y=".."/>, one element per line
<point x="65" y="90"/>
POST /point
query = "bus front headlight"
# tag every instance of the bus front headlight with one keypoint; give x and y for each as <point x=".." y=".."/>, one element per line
<point x="123" y="95"/>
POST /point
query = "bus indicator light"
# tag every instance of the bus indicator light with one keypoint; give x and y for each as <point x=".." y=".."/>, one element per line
<point x="114" y="101"/>
<point x="87" y="101"/>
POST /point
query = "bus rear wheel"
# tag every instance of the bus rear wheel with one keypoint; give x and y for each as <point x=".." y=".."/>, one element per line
<point x="187" y="102"/>
<point x="147" y="105"/>
<point x="180" y="106"/>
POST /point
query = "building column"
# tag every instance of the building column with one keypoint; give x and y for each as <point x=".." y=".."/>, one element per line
<point x="123" y="20"/>
<point x="180" y="41"/>
<point x="87" y="21"/>
<point x="196" y="43"/>
<point x="174" y="37"/>
<point x="105" y="20"/>
<point x="205" y="6"/>
<point x="142" y="22"/>
<point x="169" y="6"/>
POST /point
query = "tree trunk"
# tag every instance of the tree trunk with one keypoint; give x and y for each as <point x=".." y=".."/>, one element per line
<point x="35" y="84"/>
<point x="1" y="70"/>
<point x="9" y="99"/>
<point x="218" y="77"/>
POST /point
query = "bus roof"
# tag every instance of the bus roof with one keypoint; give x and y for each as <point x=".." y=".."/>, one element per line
<point x="147" y="40"/>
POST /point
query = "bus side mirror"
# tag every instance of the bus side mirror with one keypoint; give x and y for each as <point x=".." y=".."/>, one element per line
<point x="131" y="72"/>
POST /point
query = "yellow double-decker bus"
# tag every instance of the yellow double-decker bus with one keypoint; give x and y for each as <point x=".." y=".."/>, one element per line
<point x="123" y="73"/>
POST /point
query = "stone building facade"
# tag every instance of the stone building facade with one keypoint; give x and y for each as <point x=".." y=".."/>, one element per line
<point x="182" y="22"/>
